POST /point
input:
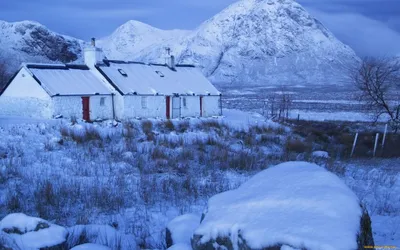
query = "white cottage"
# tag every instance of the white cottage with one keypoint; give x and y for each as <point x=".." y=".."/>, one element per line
<point x="111" y="89"/>
<point x="50" y="90"/>
<point x="156" y="90"/>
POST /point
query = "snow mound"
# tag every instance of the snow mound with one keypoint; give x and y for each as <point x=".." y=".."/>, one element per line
<point x="320" y="154"/>
<point x="181" y="229"/>
<point x="297" y="204"/>
<point x="180" y="246"/>
<point x="90" y="246"/>
<point x="33" y="233"/>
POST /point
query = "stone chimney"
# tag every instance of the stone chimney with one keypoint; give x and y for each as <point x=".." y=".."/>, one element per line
<point x="93" y="55"/>
<point x="170" y="62"/>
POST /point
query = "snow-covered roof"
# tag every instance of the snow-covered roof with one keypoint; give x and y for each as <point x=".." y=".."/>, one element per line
<point x="60" y="79"/>
<point x="153" y="79"/>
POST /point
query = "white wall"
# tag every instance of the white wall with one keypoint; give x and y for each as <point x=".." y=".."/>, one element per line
<point x="156" y="107"/>
<point x="25" y="97"/>
<point x="101" y="112"/>
<point x="211" y="106"/>
<point x="24" y="85"/>
<point x="26" y="107"/>
<point x="71" y="106"/>
<point x="192" y="108"/>
<point x="68" y="106"/>
<point x="119" y="106"/>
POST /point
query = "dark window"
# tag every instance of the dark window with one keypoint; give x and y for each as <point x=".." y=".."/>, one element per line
<point x="122" y="72"/>
<point x="160" y="73"/>
<point x="184" y="102"/>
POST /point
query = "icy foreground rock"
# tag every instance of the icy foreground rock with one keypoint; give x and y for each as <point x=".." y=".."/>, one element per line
<point x="24" y="232"/>
<point x="294" y="204"/>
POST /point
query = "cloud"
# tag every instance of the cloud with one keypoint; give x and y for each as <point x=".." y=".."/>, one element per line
<point x="368" y="37"/>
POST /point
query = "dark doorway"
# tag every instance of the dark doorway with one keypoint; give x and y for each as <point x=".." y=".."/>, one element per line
<point x="201" y="106"/>
<point x="86" y="108"/>
<point x="168" y="106"/>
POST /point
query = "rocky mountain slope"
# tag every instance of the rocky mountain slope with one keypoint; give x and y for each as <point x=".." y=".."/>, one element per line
<point x="251" y="41"/>
<point x="29" y="41"/>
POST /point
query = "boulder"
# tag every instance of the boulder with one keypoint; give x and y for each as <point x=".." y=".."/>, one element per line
<point x="294" y="205"/>
<point x="33" y="233"/>
<point x="181" y="229"/>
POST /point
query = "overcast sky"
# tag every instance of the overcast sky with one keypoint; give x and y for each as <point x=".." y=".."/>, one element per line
<point x="371" y="27"/>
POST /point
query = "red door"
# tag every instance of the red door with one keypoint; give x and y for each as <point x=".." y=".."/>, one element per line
<point x="168" y="105"/>
<point x="85" y="108"/>
<point x="201" y="106"/>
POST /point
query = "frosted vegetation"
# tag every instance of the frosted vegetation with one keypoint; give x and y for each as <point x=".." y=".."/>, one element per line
<point x="137" y="176"/>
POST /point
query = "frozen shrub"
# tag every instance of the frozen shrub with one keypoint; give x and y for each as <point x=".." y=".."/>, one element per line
<point x="147" y="127"/>
<point x="296" y="146"/>
<point x="183" y="126"/>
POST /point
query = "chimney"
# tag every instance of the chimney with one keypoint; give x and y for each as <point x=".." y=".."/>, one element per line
<point x="93" y="55"/>
<point x="170" y="62"/>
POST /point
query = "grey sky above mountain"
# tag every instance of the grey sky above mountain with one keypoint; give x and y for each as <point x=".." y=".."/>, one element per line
<point x="371" y="27"/>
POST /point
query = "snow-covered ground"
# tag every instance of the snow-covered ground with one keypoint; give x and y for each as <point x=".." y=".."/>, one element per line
<point x="137" y="176"/>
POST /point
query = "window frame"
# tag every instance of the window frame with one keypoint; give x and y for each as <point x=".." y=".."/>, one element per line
<point x="144" y="102"/>
<point x="102" y="101"/>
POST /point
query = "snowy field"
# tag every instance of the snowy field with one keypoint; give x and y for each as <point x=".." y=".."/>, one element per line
<point x="318" y="103"/>
<point x="135" y="177"/>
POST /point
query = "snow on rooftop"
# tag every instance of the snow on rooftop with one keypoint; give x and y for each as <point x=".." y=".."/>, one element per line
<point x="149" y="79"/>
<point x="297" y="204"/>
<point x="69" y="81"/>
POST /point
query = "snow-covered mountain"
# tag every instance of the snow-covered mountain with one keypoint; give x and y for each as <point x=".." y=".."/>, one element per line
<point x="251" y="41"/>
<point x="265" y="41"/>
<point x="29" y="41"/>
<point x="132" y="37"/>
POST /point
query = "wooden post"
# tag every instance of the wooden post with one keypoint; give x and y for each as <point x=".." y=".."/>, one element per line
<point x="376" y="143"/>
<point x="354" y="145"/>
<point x="384" y="137"/>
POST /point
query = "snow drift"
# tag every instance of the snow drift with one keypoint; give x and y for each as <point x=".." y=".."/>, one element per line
<point x="294" y="204"/>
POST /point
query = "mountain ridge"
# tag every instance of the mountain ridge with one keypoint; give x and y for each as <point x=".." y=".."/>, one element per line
<point x="250" y="41"/>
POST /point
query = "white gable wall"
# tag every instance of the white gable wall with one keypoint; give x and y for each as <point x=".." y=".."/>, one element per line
<point x="156" y="107"/>
<point x="25" y="97"/>
<point x="24" y="85"/>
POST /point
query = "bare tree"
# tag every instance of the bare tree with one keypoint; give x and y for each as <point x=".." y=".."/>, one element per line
<point x="378" y="82"/>
<point x="277" y="105"/>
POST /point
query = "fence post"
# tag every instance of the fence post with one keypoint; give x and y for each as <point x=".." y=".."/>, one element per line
<point x="354" y="145"/>
<point x="384" y="137"/>
<point x="376" y="143"/>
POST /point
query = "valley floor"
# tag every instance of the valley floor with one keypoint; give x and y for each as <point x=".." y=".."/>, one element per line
<point x="137" y="176"/>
